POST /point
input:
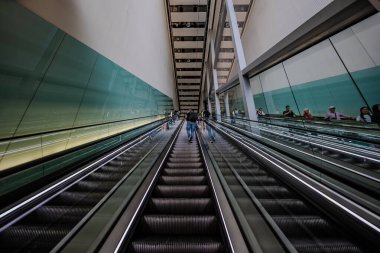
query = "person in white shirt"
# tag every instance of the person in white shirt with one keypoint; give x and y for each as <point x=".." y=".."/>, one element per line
<point x="365" y="115"/>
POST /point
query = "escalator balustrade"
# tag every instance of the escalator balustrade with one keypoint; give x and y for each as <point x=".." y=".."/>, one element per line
<point x="44" y="227"/>
<point x="180" y="215"/>
<point x="301" y="222"/>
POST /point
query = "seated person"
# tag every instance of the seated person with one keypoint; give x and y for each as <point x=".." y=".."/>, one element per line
<point x="307" y="114"/>
<point x="260" y="112"/>
<point x="288" y="112"/>
<point x="365" y="115"/>
<point x="332" y="114"/>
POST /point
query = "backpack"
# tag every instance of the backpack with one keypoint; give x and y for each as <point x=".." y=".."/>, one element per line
<point x="193" y="117"/>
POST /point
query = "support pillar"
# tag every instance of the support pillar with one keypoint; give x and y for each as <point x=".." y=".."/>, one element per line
<point x="208" y="91"/>
<point x="226" y="104"/>
<point x="249" y="105"/>
<point x="215" y="79"/>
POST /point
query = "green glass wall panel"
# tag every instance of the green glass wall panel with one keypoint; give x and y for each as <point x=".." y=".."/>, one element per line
<point x="235" y="100"/>
<point x="319" y="95"/>
<point x="368" y="81"/>
<point x="276" y="100"/>
<point x="50" y="81"/>
<point x="56" y="102"/>
<point x="27" y="44"/>
<point x="260" y="102"/>
<point x="93" y="108"/>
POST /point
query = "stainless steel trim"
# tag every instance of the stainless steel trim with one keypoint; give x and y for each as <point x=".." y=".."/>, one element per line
<point x="91" y="169"/>
<point x="127" y="230"/>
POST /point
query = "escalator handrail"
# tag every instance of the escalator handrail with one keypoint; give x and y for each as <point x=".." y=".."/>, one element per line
<point x="373" y="177"/>
<point x="352" y="209"/>
<point x="285" y="241"/>
<point x="128" y="230"/>
<point x="353" y="150"/>
<point x="99" y="204"/>
<point x="31" y="203"/>
<point x="308" y="129"/>
<point x="235" y="245"/>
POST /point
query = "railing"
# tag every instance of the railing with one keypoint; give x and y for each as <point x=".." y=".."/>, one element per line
<point x="89" y="145"/>
<point x="18" y="150"/>
<point x="350" y="133"/>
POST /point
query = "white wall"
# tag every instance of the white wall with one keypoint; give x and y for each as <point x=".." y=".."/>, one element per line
<point x="131" y="33"/>
<point x="359" y="45"/>
<point x="270" y="21"/>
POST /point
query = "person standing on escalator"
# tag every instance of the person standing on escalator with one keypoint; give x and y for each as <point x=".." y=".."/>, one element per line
<point x="206" y="116"/>
<point x="191" y="118"/>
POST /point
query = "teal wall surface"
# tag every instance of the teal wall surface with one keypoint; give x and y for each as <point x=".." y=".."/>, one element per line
<point x="51" y="84"/>
<point x="319" y="95"/>
<point x="49" y="80"/>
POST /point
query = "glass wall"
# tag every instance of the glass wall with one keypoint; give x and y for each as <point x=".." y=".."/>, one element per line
<point x="342" y="71"/>
<point x="235" y="101"/>
<point x="50" y="81"/>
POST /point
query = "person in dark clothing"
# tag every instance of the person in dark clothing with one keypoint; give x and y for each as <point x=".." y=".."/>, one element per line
<point x="376" y="114"/>
<point x="188" y="124"/>
<point x="206" y="116"/>
<point x="191" y="118"/>
<point x="288" y="112"/>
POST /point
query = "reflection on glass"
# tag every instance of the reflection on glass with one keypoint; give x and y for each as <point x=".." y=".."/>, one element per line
<point x="51" y="82"/>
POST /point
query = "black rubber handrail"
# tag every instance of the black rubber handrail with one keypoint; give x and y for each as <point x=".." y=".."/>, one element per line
<point x="310" y="130"/>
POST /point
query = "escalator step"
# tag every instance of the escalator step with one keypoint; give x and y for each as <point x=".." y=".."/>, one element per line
<point x="184" y="165"/>
<point x="347" y="159"/>
<point x="177" y="245"/>
<point x="183" y="180"/>
<point x="16" y="236"/>
<point x="271" y="191"/>
<point x="57" y="214"/>
<point x="335" y="155"/>
<point x="180" y="205"/>
<point x="71" y="198"/>
<point x="251" y="172"/>
<point x="86" y="185"/>
<point x="179" y="224"/>
<point x="184" y="155"/>
<point x="301" y="226"/>
<point x="98" y="176"/>
<point x="260" y="180"/>
<point x="286" y="206"/>
<point x="179" y="172"/>
<point x="113" y="166"/>
<point x="185" y="160"/>
<point x="333" y="246"/>
<point x="181" y="191"/>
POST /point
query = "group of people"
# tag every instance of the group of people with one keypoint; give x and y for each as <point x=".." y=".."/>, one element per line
<point x="365" y="114"/>
<point x="191" y="124"/>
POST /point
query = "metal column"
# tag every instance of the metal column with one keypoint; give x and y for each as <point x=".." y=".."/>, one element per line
<point x="215" y="78"/>
<point x="249" y="105"/>
<point x="208" y="90"/>
<point x="226" y="104"/>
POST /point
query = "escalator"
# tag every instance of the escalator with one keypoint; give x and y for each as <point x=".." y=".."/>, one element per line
<point x="304" y="143"/>
<point x="180" y="215"/>
<point x="44" y="226"/>
<point x="366" y="159"/>
<point x="303" y="223"/>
